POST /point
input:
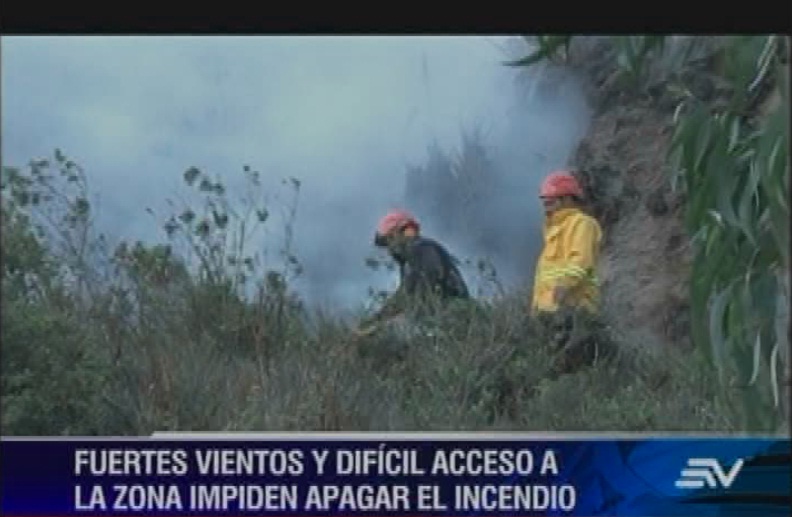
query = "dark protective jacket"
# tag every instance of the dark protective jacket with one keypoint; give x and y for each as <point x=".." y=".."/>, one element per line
<point x="428" y="271"/>
<point x="429" y="267"/>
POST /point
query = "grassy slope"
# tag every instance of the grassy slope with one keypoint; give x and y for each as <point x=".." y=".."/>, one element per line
<point x="79" y="368"/>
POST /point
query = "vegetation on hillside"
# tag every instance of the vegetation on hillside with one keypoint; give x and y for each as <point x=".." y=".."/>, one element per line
<point x="460" y="191"/>
<point x="165" y="340"/>
<point x="730" y="154"/>
<point x="205" y="334"/>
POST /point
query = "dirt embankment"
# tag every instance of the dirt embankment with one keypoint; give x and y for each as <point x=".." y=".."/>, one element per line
<point x="623" y="162"/>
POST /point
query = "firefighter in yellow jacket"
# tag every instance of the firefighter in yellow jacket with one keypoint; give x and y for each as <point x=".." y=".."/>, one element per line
<point x="566" y="274"/>
<point x="566" y="292"/>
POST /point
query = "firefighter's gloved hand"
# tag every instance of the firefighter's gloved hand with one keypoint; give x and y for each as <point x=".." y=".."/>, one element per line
<point x="561" y="325"/>
<point x="560" y="295"/>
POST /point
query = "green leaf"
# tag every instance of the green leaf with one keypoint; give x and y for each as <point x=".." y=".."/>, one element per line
<point x="202" y="229"/>
<point x="718" y="340"/>
<point x="746" y="212"/>
<point x="734" y="135"/>
<point x="746" y="296"/>
<point x="773" y="162"/>
<point x="782" y="74"/>
<point x="723" y="179"/>
<point x="81" y="206"/>
<point x="686" y="142"/>
<point x="249" y="263"/>
<point x="206" y="185"/>
<point x="220" y="219"/>
<point x="777" y="153"/>
<point x="702" y="145"/>
<point x="191" y="174"/>
<point x="765" y="295"/>
<point x="187" y="216"/>
<point x="528" y="60"/>
<point x="764" y="62"/>
<point x="170" y="227"/>
<point x="548" y="45"/>
<point x="700" y="288"/>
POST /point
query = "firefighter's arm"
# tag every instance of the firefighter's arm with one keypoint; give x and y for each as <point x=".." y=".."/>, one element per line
<point x="424" y="265"/>
<point x="582" y="245"/>
<point x="392" y="306"/>
<point x="413" y="276"/>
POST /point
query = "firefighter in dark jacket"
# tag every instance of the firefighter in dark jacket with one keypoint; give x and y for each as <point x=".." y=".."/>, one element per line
<point x="428" y="272"/>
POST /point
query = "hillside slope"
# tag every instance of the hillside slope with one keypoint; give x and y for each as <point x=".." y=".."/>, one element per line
<point x="623" y="160"/>
<point x="735" y="171"/>
<point x="158" y="346"/>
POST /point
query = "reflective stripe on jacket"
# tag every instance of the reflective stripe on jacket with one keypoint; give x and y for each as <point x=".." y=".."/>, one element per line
<point x="569" y="259"/>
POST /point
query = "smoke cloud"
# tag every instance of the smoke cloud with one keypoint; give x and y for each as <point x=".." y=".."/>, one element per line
<point x="344" y="115"/>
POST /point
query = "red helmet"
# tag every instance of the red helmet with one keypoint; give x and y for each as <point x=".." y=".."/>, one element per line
<point x="561" y="183"/>
<point x="396" y="220"/>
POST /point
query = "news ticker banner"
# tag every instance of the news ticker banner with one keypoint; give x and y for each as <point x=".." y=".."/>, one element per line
<point x="382" y="475"/>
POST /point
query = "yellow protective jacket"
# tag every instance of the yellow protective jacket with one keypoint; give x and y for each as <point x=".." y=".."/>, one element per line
<point x="569" y="259"/>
